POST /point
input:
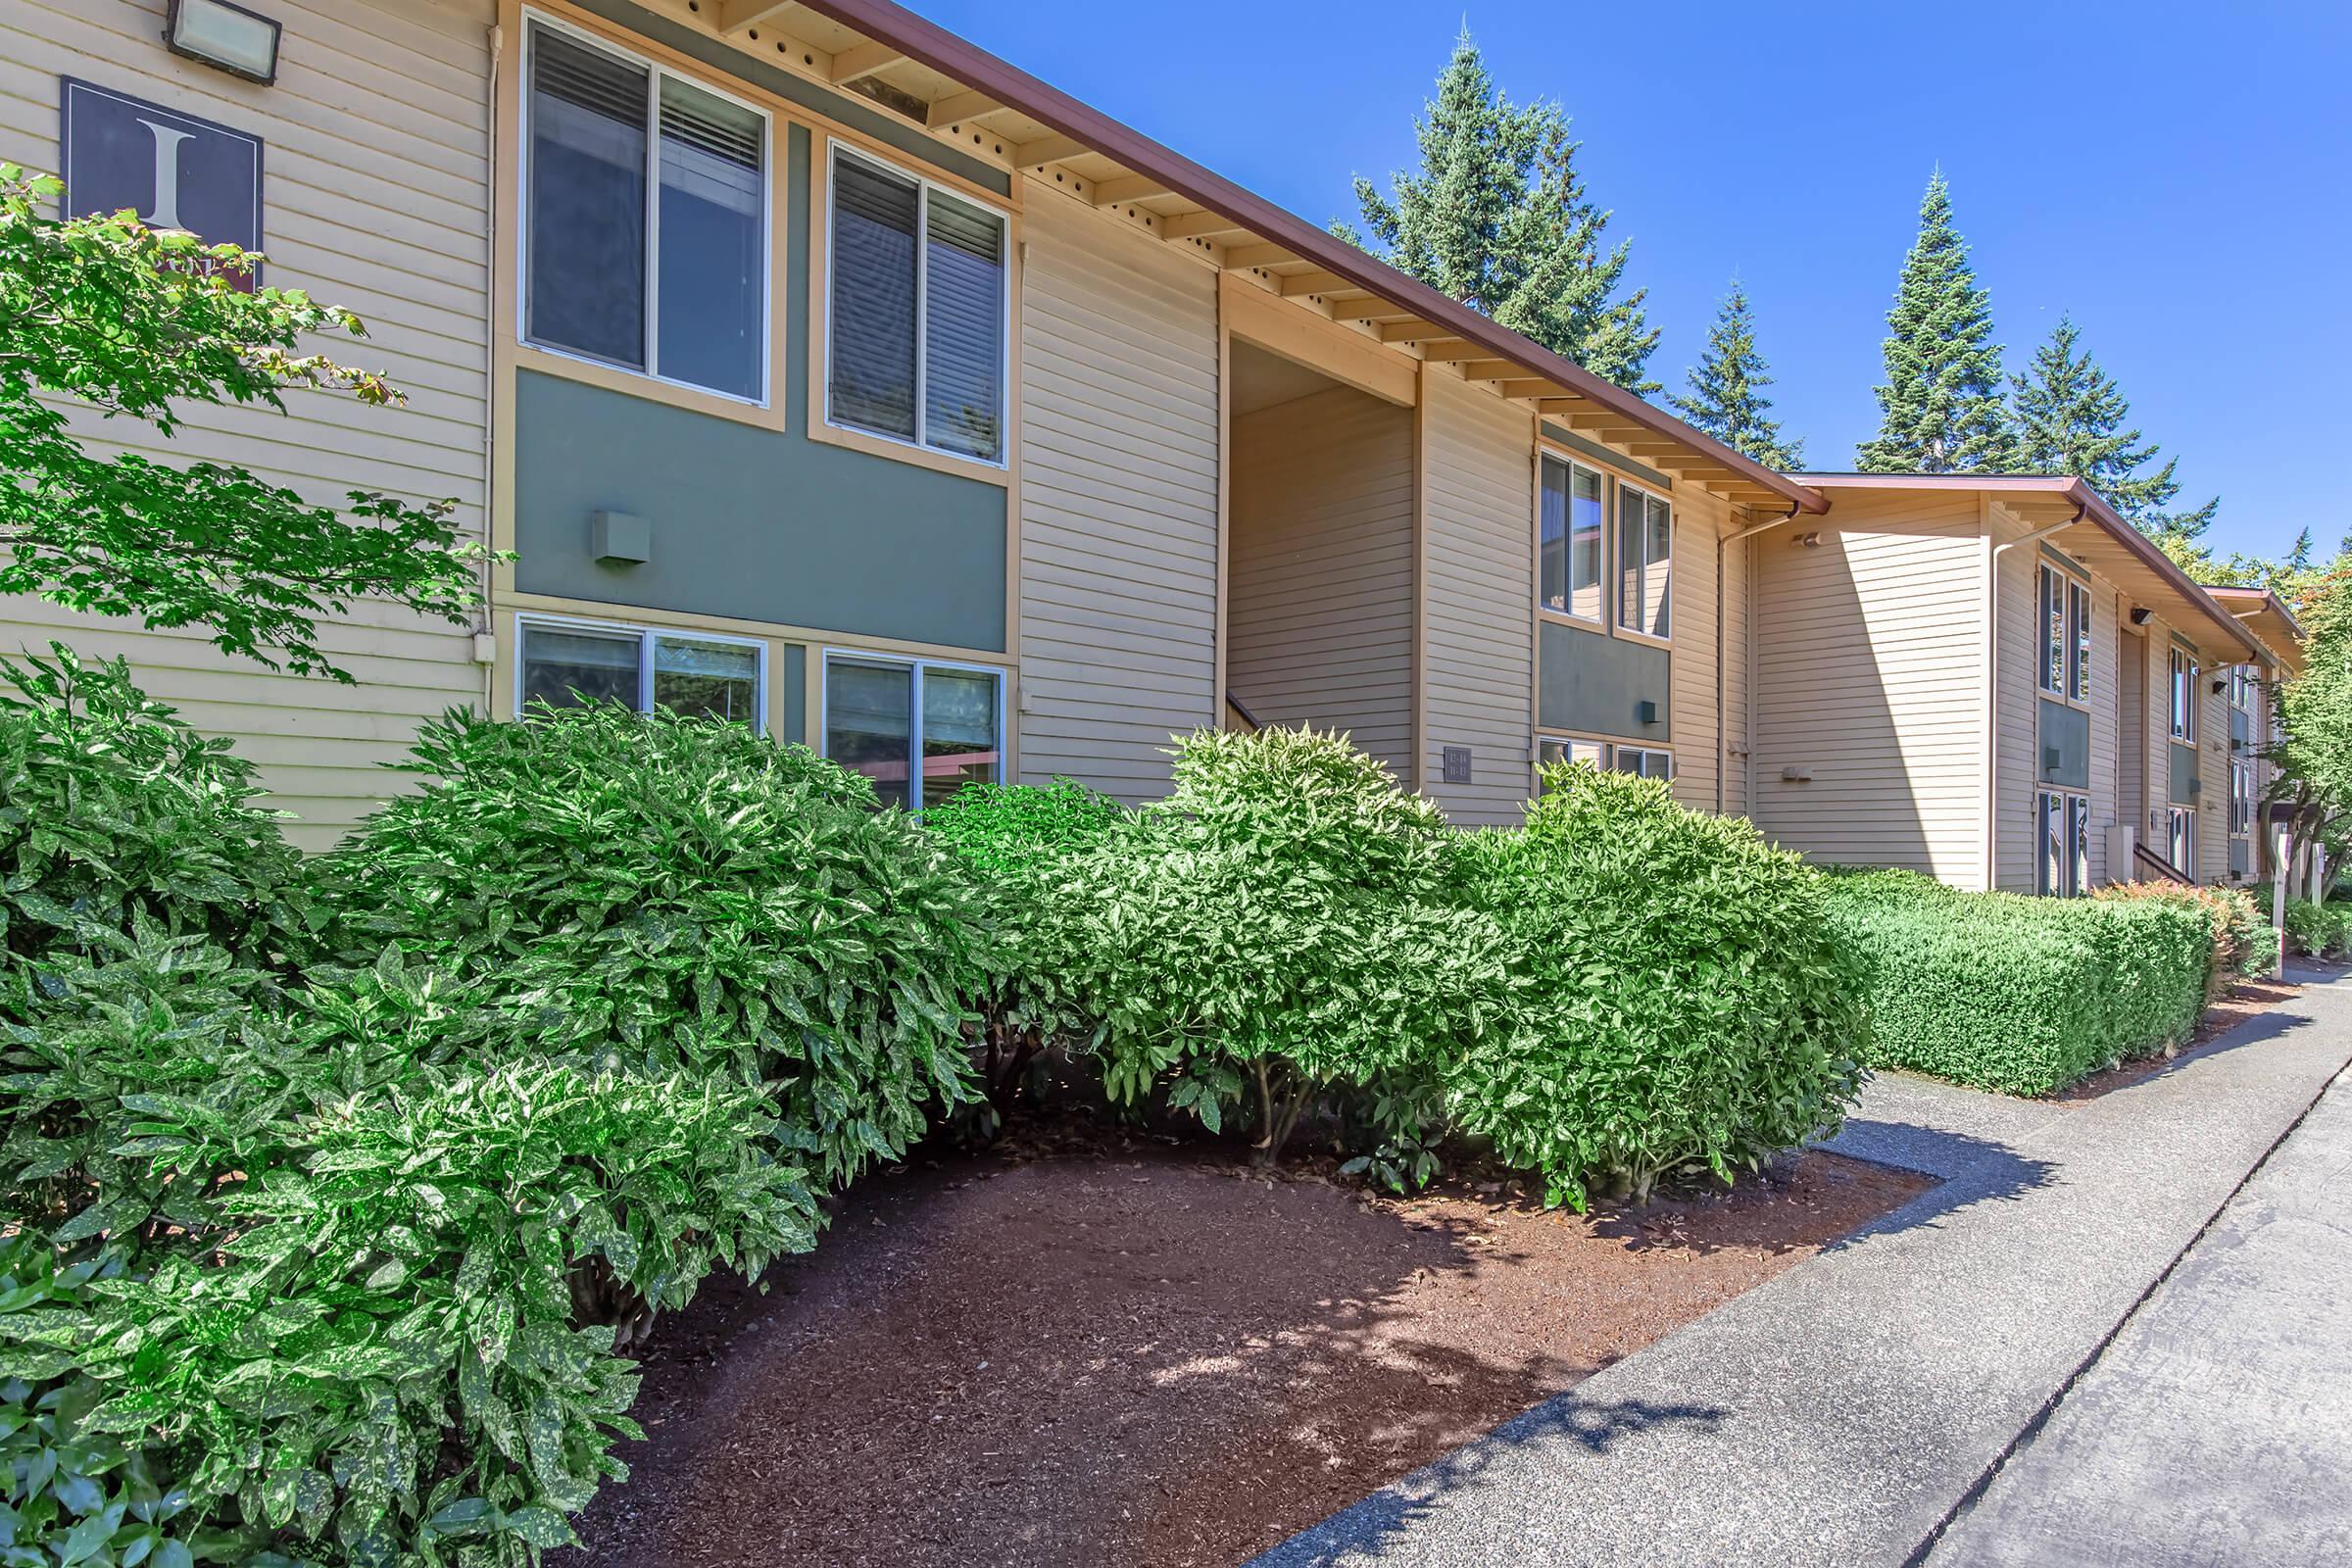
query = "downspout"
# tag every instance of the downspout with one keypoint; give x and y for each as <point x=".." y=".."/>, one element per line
<point x="1723" y="757"/>
<point x="1993" y="690"/>
<point x="489" y="630"/>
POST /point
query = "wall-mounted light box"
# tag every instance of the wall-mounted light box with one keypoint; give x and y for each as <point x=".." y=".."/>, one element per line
<point x="241" y="42"/>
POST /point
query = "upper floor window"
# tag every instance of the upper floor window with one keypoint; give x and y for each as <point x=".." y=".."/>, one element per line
<point x="920" y="730"/>
<point x="645" y="223"/>
<point x="570" y="663"/>
<point x="1570" y="539"/>
<point x="2065" y="616"/>
<point x="917" y="301"/>
<point x="2185" y="697"/>
<point x="2244" y="689"/>
<point x="1645" y="563"/>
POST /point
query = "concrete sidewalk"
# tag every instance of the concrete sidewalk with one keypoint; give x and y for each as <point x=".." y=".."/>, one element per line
<point x="1841" y="1413"/>
<point x="2216" y="1431"/>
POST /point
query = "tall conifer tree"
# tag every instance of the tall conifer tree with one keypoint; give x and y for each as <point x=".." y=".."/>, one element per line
<point x="1497" y="217"/>
<point x="2071" y="420"/>
<point x="1941" y="408"/>
<point x="1727" y="398"/>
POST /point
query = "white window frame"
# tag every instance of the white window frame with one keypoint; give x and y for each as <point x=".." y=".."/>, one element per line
<point x="2078" y="626"/>
<point x="1598" y="622"/>
<point x="1607" y="750"/>
<point x="2241" y="796"/>
<point x="646" y="636"/>
<point x="837" y="150"/>
<point x="1614" y="569"/>
<point x="914" y="718"/>
<point x="532" y="20"/>
<point x="2049" y="672"/>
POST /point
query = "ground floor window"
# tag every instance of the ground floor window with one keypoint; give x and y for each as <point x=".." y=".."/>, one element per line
<point x="881" y="716"/>
<point x="2065" y="819"/>
<point x="2180" y="839"/>
<point x="1647" y="760"/>
<point x="2241" y="796"/>
<point x="565" y="663"/>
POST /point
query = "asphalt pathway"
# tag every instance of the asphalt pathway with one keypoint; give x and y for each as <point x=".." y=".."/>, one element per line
<point x="2217" y="1428"/>
<point x="1847" y="1412"/>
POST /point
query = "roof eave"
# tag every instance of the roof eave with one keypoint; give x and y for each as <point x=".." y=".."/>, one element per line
<point x="950" y="55"/>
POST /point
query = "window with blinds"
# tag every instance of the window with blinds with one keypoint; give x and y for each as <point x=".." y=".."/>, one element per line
<point x="916" y="300"/>
<point x="920" y="730"/>
<point x="646" y="218"/>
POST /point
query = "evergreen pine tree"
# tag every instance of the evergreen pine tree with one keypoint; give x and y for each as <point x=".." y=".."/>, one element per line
<point x="2069" y="420"/>
<point x="1727" y="398"/>
<point x="1942" y="405"/>
<point x="1499" y="218"/>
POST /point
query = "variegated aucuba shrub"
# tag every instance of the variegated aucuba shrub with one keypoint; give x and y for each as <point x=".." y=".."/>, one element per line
<point x="1683" y="1006"/>
<point x="655" y="893"/>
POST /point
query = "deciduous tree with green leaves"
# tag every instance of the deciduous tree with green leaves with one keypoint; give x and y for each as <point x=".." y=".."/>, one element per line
<point x="1727" y="398"/>
<point x="105" y="315"/>
<point x="1942" y="407"/>
<point x="2071" y="420"/>
<point x="1499" y="218"/>
<point x="2314" y="750"/>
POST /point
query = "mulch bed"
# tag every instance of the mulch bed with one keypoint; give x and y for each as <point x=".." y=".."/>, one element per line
<point x="1091" y="1347"/>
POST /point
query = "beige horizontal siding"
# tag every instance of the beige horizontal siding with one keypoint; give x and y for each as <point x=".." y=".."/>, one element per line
<point x="1118" y="497"/>
<point x="1870" y="673"/>
<point x="376" y="198"/>
<point x="1478" y="555"/>
<point x="1321" y="586"/>
<point x="1699" y="519"/>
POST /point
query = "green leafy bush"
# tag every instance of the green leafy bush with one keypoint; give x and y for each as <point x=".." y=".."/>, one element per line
<point x="1015" y="838"/>
<point x="1277" y="929"/>
<point x="654" y="892"/>
<point x="112" y="809"/>
<point x="2228" y="914"/>
<point x="1683" y="1004"/>
<point x="2019" y="994"/>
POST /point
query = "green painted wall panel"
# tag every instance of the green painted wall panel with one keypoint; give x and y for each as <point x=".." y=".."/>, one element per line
<point x="795" y="723"/>
<point x="1594" y="684"/>
<point x="751" y="523"/>
<point x="2185" y="771"/>
<point x="2065" y="759"/>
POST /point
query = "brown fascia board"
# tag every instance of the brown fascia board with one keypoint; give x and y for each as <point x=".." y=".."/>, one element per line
<point x="976" y="68"/>
<point x="2264" y="599"/>
<point x="2071" y="492"/>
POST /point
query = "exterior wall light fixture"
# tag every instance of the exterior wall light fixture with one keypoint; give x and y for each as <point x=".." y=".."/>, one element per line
<point x="229" y="38"/>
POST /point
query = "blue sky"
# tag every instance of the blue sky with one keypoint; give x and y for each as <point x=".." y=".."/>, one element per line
<point x="2121" y="161"/>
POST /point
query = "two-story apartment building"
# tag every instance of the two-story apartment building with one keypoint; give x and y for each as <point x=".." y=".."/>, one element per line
<point x="2000" y="682"/>
<point x="820" y="368"/>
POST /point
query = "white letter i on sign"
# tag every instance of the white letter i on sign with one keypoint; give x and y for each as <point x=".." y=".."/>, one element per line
<point x="164" y="213"/>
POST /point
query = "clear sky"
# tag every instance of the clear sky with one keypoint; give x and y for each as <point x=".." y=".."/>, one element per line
<point x="2177" y="176"/>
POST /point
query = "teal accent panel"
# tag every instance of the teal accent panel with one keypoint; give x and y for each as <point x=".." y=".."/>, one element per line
<point x="2185" y="770"/>
<point x="1594" y="684"/>
<point x="795" y="708"/>
<point x="749" y="522"/>
<point x="858" y="115"/>
<point x="2065" y="759"/>
<point x="1561" y="435"/>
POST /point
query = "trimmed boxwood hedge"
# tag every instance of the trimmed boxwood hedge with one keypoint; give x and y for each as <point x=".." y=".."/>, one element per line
<point x="2019" y="994"/>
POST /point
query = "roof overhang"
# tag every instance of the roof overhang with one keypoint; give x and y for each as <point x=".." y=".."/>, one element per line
<point x="2086" y="527"/>
<point x="954" y="89"/>
<point x="2268" y="617"/>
